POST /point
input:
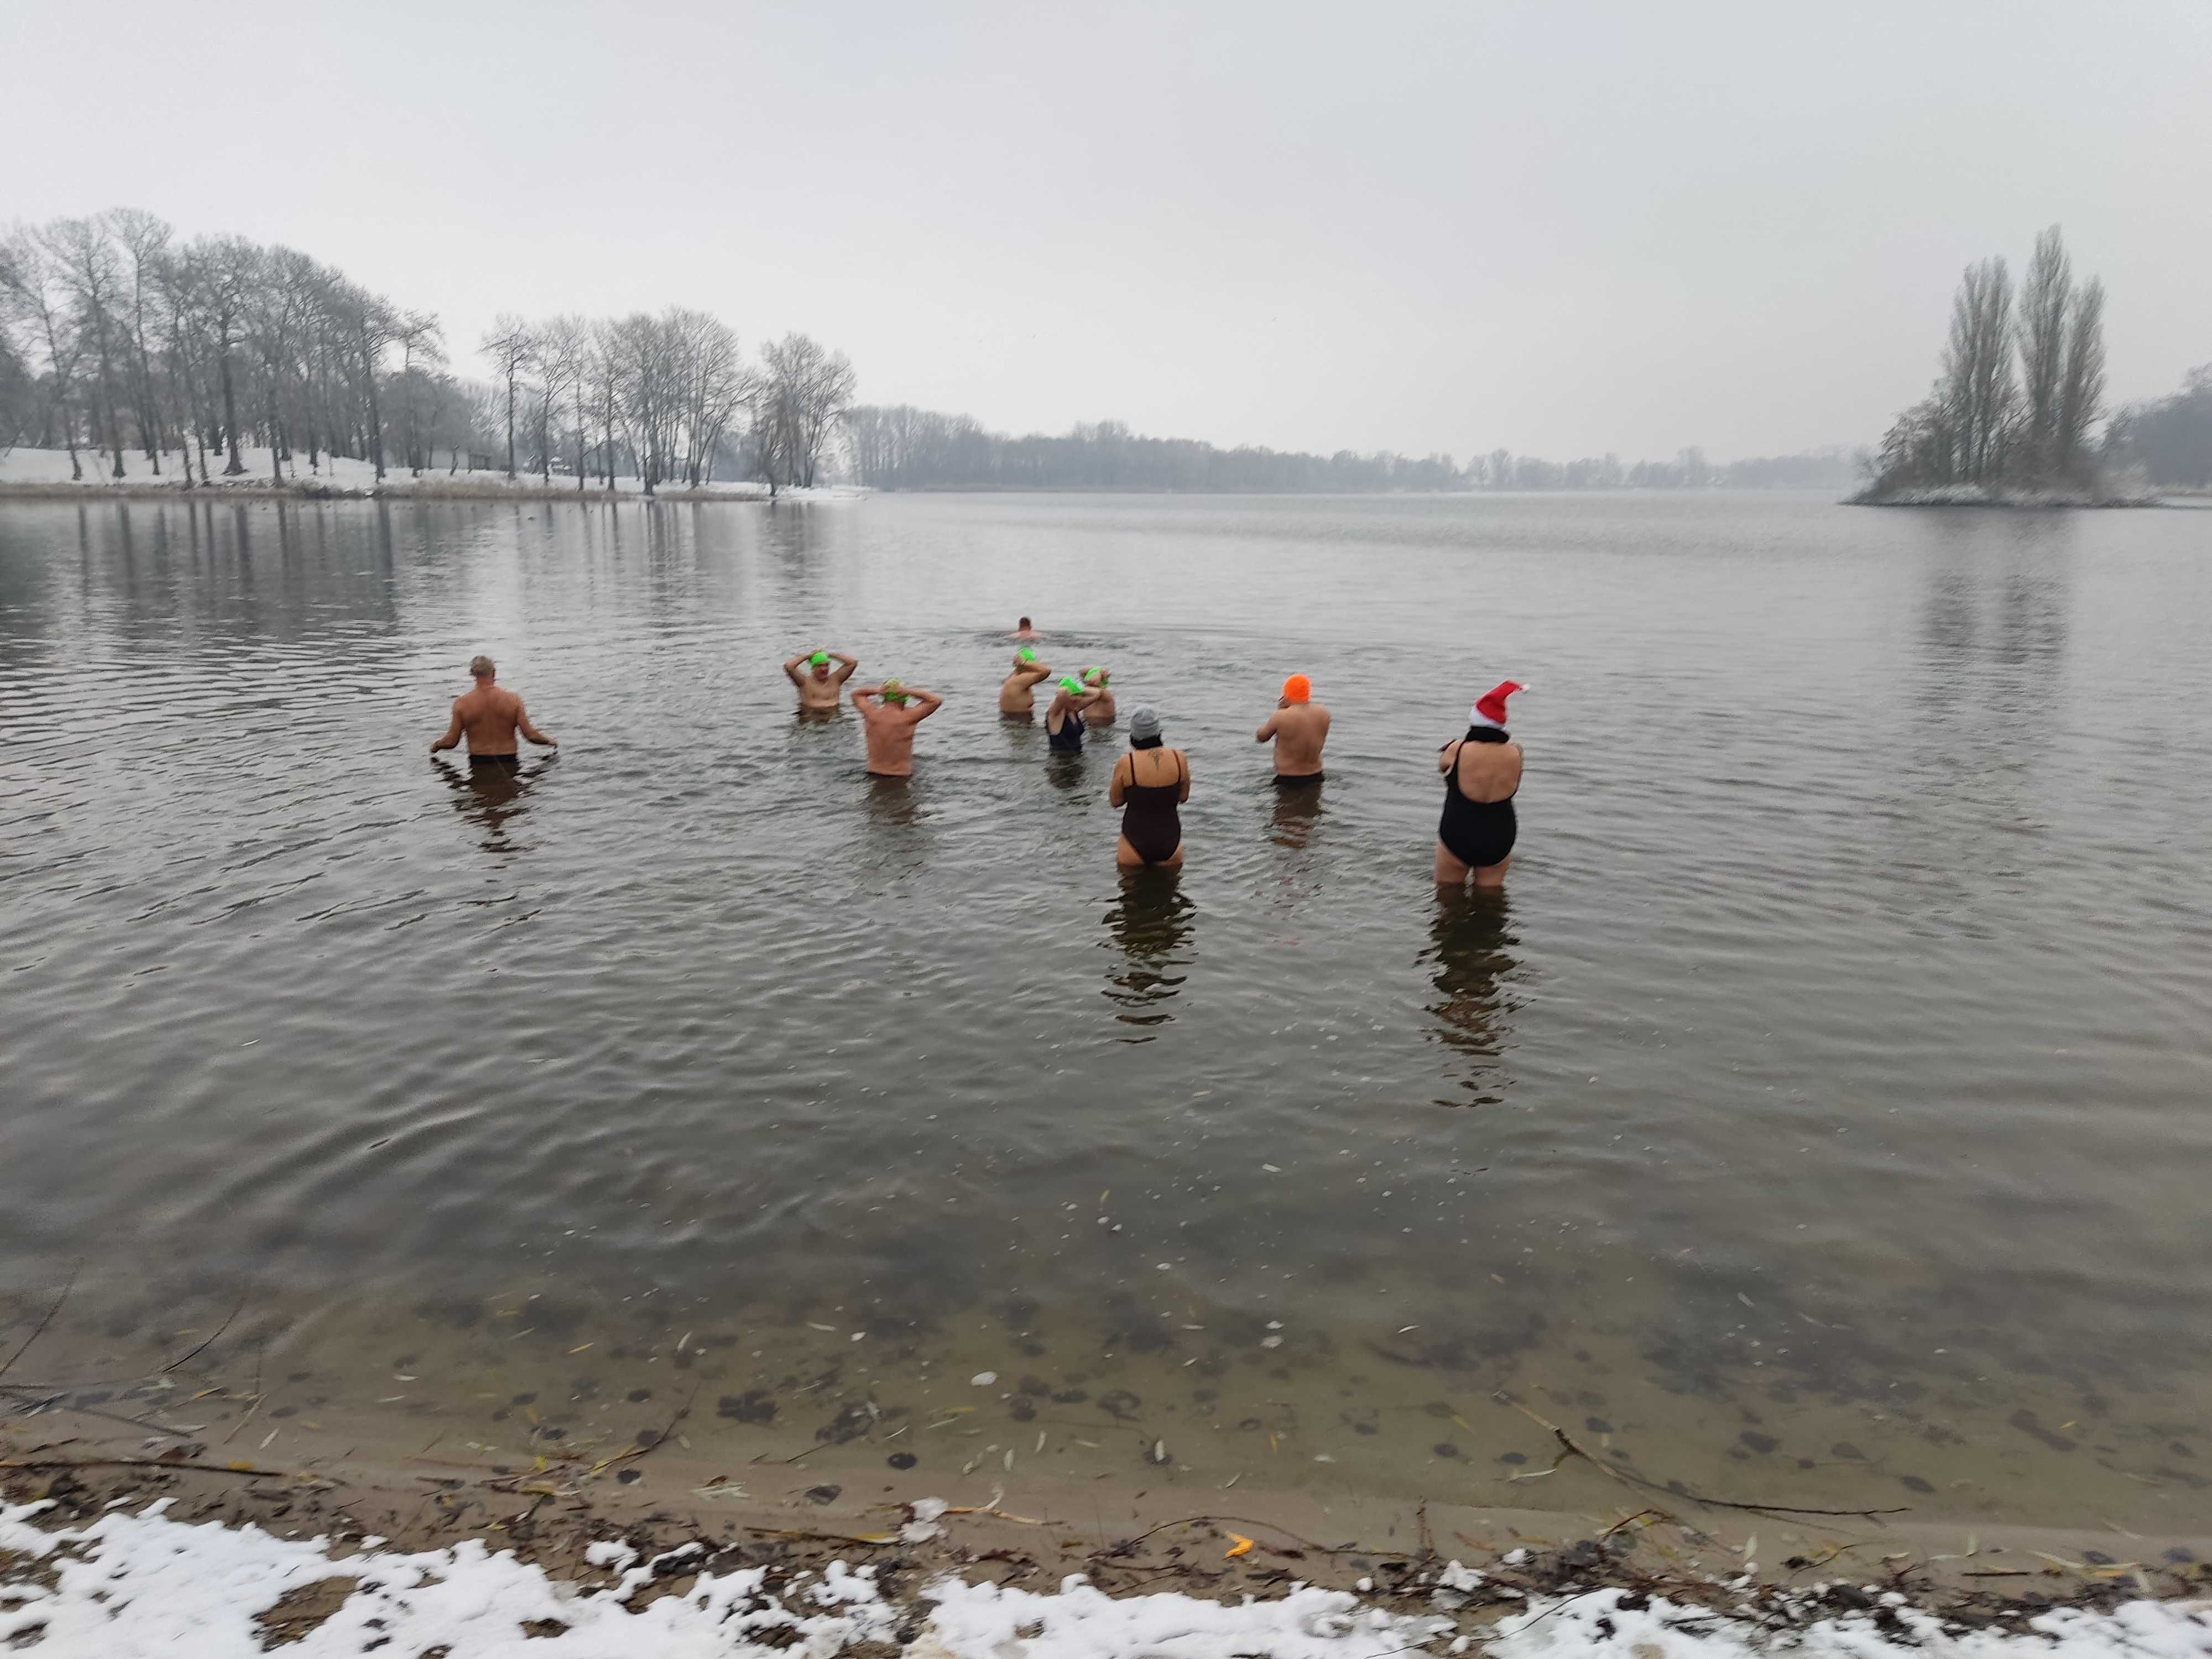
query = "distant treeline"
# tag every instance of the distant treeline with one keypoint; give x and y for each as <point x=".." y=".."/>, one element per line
<point x="2171" y="439"/>
<point x="903" y="447"/>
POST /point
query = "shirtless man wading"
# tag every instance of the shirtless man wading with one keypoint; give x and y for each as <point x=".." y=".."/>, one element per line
<point x="890" y="712"/>
<point x="489" y="715"/>
<point x="821" y="686"/>
<point x="1298" y="727"/>
<point x="1014" y="691"/>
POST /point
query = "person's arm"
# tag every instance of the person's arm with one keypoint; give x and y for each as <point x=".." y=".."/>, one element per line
<point x="846" y="665"/>
<point x="1183" y="793"/>
<point x="453" y="730"/>
<point x="1116" y="789"/>
<point x="860" y="694"/>
<point x="522" y="724"/>
<point x="930" y="701"/>
<point x="1266" y="730"/>
<point x="1089" y="699"/>
<point x="1448" y="754"/>
<point x="791" y="668"/>
<point x="1035" y="674"/>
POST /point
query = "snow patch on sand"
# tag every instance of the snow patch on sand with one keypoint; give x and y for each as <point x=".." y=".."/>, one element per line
<point x="131" y="1586"/>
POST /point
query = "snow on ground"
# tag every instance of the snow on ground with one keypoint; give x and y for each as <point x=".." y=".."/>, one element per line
<point x="337" y="473"/>
<point x="128" y="1586"/>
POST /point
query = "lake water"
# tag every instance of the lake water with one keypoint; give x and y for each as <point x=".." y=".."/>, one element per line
<point x="1820" y="1118"/>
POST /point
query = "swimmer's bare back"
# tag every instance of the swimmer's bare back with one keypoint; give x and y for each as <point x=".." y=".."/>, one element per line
<point x="1016" y="690"/>
<point x="1298" y="730"/>
<point x="489" y="715"/>
<point x="889" y="722"/>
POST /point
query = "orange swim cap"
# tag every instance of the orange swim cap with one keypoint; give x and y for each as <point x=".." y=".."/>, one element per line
<point x="1298" y="687"/>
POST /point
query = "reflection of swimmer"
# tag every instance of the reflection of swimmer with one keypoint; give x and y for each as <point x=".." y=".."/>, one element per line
<point x="1101" y="713"/>
<point x="1015" y="691"/>
<point x="1482" y="774"/>
<point x="1152" y="924"/>
<point x="893" y="803"/>
<point x="1296" y="812"/>
<point x="1149" y="782"/>
<point x="1063" y="720"/>
<point x="890" y="712"/>
<point x="490" y="715"/>
<point x="1469" y="947"/>
<point x="491" y="797"/>
<point x="820" y="687"/>
<point x="1298" y="728"/>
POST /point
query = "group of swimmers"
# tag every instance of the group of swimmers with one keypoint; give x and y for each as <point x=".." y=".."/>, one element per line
<point x="1481" y="769"/>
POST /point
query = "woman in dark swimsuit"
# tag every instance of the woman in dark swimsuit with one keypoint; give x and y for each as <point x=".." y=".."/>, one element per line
<point x="1149" y="782"/>
<point x="1063" y="720"/>
<point x="1482" y="774"/>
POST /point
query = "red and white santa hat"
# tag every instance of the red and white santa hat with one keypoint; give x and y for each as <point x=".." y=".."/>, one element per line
<point x="1489" y="708"/>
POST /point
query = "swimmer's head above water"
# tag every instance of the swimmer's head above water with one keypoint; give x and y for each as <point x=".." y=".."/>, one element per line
<point x="1145" y="728"/>
<point x="1096" y="676"/>
<point x="484" y="667"/>
<point x="1069" y="685"/>
<point x="1296" y="689"/>
<point x="820" y="663"/>
<point x="893" y="691"/>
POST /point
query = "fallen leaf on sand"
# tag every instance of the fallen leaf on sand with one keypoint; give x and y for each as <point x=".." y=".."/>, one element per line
<point x="1239" y="1547"/>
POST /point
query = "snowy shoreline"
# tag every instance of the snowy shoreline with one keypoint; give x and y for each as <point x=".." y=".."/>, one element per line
<point x="45" y="475"/>
<point x="123" y="1583"/>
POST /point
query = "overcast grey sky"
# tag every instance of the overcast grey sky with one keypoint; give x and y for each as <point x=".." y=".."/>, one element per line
<point x="1563" y="228"/>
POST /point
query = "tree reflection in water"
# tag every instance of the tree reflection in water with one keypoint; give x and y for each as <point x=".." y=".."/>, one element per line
<point x="1152" y="924"/>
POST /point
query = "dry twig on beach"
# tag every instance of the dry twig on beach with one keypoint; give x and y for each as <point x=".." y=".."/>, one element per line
<point x="9" y="1364"/>
<point x="1570" y="1447"/>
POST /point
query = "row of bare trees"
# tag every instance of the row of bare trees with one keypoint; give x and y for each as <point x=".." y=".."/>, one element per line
<point x="116" y="338"/>
<point x="2021" y="387"/>
<point x="668" y="398"/>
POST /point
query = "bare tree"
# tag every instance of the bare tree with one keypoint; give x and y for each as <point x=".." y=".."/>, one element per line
<point x="796" y="399"/>
<point x="32" y="286"/>
<point x="2044" y="298"/>
<point x="508" y="347"/>
<point x="1979" y="387"/>
<point x="421" y="351"/>
<point x="92" y="274"/>
<point x="2082" y="384"/>
<point x="144" y="240"/>
<point x="565" y="353"/>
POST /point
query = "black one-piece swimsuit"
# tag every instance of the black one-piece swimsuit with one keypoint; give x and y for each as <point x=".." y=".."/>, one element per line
<point x="1150" y="823"/>
<point x="1477" y="833"/>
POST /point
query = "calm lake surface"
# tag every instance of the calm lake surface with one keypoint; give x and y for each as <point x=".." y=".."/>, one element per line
<point x="1821" y="1118"/>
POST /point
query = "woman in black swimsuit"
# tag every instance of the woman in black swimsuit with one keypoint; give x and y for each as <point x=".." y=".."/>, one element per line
<point x="1482" y="774"/>
<point x="1149" y="782"/>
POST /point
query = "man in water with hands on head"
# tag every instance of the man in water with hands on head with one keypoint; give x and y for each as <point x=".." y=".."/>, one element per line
<point x="889" y="712"/>
<point x="490" y="714"/>
<point x="821" y="686"/>
<point x="1298" y="727"/>
<point x="1017" y="691"/>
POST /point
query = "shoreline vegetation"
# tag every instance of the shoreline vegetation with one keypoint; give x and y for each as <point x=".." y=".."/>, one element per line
<point x="2010" y="419"/>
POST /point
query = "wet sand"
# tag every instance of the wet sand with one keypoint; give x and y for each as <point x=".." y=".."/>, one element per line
<point x="354" y="1471"/>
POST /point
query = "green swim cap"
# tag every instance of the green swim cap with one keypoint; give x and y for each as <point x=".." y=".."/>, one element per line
<point x="892" y="691"/>
<point x="819" y="657"/>
<point x="1097" y="674"/>
<point x="1028" y="655"/>
<point x="1069" y="685"/>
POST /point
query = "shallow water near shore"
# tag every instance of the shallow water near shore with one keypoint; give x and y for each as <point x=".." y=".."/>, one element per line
<point x="1817" y="1120"/>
